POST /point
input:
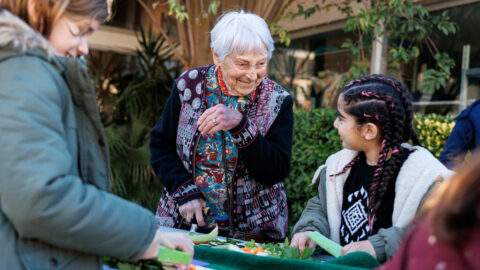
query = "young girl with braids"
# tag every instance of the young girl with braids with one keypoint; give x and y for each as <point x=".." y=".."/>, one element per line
<point x="370" y="191"/>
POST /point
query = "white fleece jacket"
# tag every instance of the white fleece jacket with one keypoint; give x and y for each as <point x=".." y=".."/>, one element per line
<point x="414" y="179"/>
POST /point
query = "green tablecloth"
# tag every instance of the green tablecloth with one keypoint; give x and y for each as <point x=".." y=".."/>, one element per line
<point x="225" y="259"/>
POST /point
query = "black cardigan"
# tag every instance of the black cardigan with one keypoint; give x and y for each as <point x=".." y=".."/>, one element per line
<point x="267" y="158"/>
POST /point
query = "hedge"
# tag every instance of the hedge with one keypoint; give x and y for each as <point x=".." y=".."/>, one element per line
<point x="315" y="138"/>
<point x="433" y="131"/>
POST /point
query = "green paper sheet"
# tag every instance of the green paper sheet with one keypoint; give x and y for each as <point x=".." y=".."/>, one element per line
<point x="173" y="256"/>
<point x="325" y="243"/>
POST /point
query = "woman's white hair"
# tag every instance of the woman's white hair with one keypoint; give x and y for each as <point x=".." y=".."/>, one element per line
<point x="240" y="31"/>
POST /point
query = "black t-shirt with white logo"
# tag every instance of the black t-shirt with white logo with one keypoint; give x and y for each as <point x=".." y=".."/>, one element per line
<point x="354" y="226"/>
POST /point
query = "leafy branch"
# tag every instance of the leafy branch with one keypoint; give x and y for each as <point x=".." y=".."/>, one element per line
<point x="181" y="14"/>
<point x="407" y="27"/>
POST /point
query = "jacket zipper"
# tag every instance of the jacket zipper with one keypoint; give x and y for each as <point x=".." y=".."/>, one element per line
<point x="230" y="210"/>
<point x="229" y="190"/>
<point x="193" y="158"/>
<point x="225" y="173"/>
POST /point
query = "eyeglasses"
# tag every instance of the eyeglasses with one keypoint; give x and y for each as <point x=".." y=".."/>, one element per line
<point x="77" y="30"/>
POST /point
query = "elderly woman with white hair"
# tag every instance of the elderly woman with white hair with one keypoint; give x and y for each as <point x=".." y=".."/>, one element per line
<point x="224" y="138"/>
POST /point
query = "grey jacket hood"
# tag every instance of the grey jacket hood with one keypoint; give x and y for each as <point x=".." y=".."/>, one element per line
<point x="15" y="32"/>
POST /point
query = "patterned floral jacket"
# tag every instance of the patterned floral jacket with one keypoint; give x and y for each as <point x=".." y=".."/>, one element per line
<point x="258" y="203"/>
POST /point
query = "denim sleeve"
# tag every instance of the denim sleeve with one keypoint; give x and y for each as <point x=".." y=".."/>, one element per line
<point x="458" y="143"/>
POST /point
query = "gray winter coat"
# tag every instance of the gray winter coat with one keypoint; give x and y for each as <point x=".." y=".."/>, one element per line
<point x="55" y="208"/>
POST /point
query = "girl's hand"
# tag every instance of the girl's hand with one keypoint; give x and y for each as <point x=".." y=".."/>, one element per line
<point x="218" y="117"/>
<point x="301" y="240"/>
<point x="172" y="240"/>
<point x="365" y="246"/>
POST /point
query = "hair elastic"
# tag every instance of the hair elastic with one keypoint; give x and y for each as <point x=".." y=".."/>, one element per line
<point x="370" y="222"/>
<point x="367" y="94"/>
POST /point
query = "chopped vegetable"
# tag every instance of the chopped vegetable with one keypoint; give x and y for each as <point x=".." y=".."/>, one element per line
<point x="247" y="250"/>
<point x="257" y="250"/>
<point x="173" y="256"/>
<point x="280" y="250"/>
<point x="203" y="238"/>
<point x="325" y="243"/>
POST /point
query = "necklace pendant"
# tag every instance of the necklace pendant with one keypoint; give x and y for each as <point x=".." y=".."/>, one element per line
<point x="242" y="99"/>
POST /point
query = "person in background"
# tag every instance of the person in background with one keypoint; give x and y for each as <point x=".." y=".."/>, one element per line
<point x="224" y="138"/>
<point x="448" y="235"/>
<point x="465" y="136"/>
<point x="370" y="191"/>
<point x="55" y="208"/>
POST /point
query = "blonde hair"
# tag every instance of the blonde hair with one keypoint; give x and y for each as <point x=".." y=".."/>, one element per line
<point x="49" y="11"/>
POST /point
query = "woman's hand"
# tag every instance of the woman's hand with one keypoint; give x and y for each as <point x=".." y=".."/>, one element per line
<point x="172" y="240"/>
<point x="301" y="240"/>
<point x="218" y="117"/>
<point x="193" y="207"/>
<point x="365" y="246"/>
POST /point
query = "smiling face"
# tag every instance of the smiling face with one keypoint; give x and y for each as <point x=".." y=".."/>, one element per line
<point x="69" y="35"/>
<point x="348" y="129"/>
<point x="242" y="73"/>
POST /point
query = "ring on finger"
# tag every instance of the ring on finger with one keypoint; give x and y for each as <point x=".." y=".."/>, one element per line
<point x="214" y="121"/>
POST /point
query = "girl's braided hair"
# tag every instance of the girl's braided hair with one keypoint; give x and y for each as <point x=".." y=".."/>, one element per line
<point x="385" y="102"/>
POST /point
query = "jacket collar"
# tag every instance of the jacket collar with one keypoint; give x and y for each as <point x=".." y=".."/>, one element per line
<point x="18" y="38"/>
<point x="21" y="38"/>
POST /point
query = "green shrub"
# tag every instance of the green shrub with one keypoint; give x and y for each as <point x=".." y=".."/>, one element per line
<point x="130" y="116"/>
<point x="315" y="138"/>
<point x="433" y="131"/>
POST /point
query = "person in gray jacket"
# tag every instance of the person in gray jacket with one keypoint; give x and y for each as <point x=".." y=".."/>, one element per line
<point x="369" y="192"/>
<point x="55" y="208"/>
